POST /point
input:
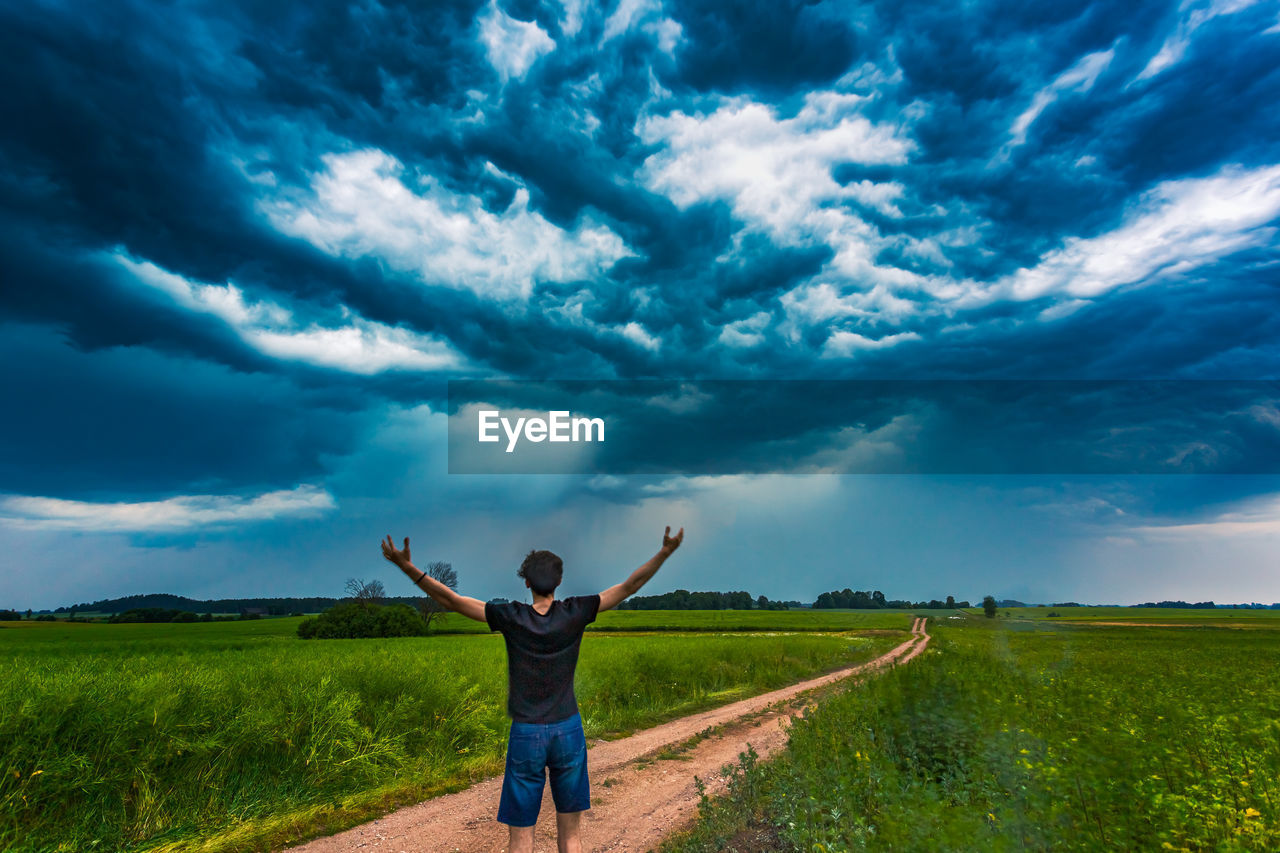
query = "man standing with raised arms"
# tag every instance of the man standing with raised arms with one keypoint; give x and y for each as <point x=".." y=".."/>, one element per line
<point x="542" y="652"/>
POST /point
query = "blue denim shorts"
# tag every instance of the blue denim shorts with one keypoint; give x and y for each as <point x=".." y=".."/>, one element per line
<point x="532" y="750"/>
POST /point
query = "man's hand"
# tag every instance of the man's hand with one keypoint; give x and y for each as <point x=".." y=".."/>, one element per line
<point x="472" y="608"/>
<point x="614" y="595"/>
<point x="669" y="542"/>
<point x="401" y="558"/>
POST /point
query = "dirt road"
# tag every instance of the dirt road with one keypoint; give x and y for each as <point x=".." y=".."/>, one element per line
<point x="642" y="787"/>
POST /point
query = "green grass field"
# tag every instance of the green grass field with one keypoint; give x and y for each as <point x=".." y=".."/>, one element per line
<point x="238" y="735"/>
<point x="1032" y="733"/>
<point x="1225" y="618"/>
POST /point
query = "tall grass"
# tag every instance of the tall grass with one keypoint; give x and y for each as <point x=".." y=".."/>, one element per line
<point x="1013" y="737"/>
<point x="240" y="736"/>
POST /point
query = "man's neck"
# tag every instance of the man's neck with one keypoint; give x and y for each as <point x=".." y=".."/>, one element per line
<point x="542" y="603"/>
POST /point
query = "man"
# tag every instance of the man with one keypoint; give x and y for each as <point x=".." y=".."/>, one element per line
<point x="542" y="652"/>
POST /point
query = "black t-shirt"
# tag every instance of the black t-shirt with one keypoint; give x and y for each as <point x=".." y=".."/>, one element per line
<point x="542" y="652"/>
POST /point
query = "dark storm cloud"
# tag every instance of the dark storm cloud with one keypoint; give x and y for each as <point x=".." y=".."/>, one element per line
<point x="115" y="151"/>
<point x="1217" y="324"/>
<point x="980" y="68"/>
<point x="138" y="125"/>
<point x="330" y="56"/>
<point x="131" y="421"/>
<point x="52" y="282"/>
<point x="767" y="46"/>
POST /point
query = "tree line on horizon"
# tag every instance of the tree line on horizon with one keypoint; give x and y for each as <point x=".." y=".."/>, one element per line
<point x="680" y="599"/>
<point x="279" y="606"/>
<point x="683" y="599"/>
<point x="850" y="599"/>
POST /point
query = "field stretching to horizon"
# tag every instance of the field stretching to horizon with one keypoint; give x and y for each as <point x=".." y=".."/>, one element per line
<point x="1032" y="732"/>
<point x="1221" y="617"/>
<point x="238" y="735"/>
<point x="1094" y="729"/>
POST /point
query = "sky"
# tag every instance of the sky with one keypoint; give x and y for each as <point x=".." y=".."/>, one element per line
<point x="245" y="247"/>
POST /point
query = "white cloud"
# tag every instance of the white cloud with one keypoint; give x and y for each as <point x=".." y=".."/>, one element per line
<point x="731" y="493"/>
<point x="1176" y="227"/>
<point x="572" y="310"/>
<point x="1169" y="231"/>
<point x="843" y="344"/>
<point x="1254" y="517"/>
<point x="857" y="448"/>
<point x="360" y="206"/>
<point x="360" y="346"/>
<point x="1191" y="16"/>
<point x="625" y="14"/>
<point x="777" y="176"/>
<point x="668" y="33"/>
<point x="775" y="172"/>
<point x="637" y="334"/>
<point x="571" y="20"/>
<point x="1062" y="309"/>
<point x="1086" y="507"/>
<point x="1080" y="77"/>
<point x="512" y="45"/>
<point x="686" y="399"/>
<point x="648" y="16"/>
<point x="811" y="304"/>
<point x="1266" y="413"/>
<point x="185" y="512"/>
<point x="748" y="332"/>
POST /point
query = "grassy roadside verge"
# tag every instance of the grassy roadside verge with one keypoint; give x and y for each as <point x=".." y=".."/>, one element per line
<point x="1004" y="737"/>
<point x="237" y="736"/>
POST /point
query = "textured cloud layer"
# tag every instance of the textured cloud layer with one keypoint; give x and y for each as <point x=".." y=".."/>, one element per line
<point x="185" y="512"/>
<point x="236" y="238"/>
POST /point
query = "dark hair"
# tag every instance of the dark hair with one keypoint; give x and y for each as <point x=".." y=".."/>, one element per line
<point x="542" y="570"/>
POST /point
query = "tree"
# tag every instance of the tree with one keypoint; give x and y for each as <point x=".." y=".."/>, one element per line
<point x="951" y="602"/>
<point x="989" y="606"/>
<point x="366" y="592"/>
<point x="444" y="573"/>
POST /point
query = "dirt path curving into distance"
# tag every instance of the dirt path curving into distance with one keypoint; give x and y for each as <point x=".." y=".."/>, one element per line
<point x="642" y="786"/>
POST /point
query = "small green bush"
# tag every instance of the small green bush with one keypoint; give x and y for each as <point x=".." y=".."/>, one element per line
<point x="356" y="619"/>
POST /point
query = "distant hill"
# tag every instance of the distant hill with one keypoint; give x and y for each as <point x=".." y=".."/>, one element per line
<point x="678" y="600"/>
<point x="272" y="606"/>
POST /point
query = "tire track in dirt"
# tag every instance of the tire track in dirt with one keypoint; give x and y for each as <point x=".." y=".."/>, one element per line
<point x="642" y="786"/>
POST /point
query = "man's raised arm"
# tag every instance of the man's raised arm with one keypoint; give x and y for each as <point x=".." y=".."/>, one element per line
<point x="472" y="608"/>
<point x="613" y="596"/>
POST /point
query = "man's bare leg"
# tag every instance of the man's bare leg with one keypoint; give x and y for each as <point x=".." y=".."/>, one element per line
<point x="569" y="832"/>
<point x="521" y="840"/>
